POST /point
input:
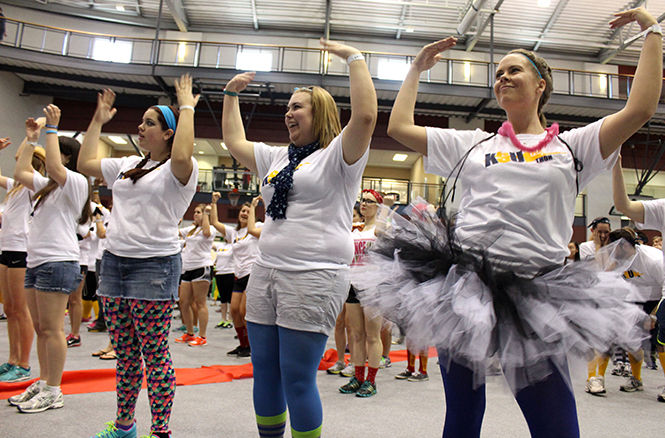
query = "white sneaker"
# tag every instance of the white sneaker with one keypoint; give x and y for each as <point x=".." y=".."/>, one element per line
<point x="595" y="385"/>
<point x="41" y="402"/>
<point x="348" y="371"/>
<point x="632" y="385"/>
<point x="336" y="369"/>
<point x="29" y="393"/>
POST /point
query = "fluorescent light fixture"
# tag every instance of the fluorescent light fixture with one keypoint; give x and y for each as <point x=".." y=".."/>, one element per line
<point x="120" y="8"/>
<point x="221" y="143"/>
<point x="410" y="30"/>
<point x="110" y="49"/>
<point x="400" y="157"/>
<point x="200" y="152"/>
<point x="467" y="71"/>
<point x="117" y="139"/>
<point x="254" y="60"/>
<point x="544" y="3"/>
<point x="182" y="51"/>
<point x="393" y="69"/>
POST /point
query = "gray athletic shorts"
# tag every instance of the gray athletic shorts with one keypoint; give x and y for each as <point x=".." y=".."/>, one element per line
<point x="299" y="300"/>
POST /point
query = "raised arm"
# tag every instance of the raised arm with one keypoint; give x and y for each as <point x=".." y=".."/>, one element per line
<point x="99" y="226"/>
<point x="205" y="221"/>
<point x="645" y="91"/>
<point x="4" y="142"/>
<point x="251" y="218"/>
<point x="233" y="131"/>
<point x="24" y="172"/>
<point x="183" y="142"/>
<point x="88" y="162"/>
<point x="632" y="209"/>
<point x="54" y="167"/>
<point x="401" y="125"/>
<point x="360" y="128"/>
<point x="214" y="221"/>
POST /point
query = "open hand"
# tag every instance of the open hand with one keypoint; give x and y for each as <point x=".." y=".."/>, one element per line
<point x="4" y="142"/>
<point x="183" y="89"/>
<point x="240" y="81"/>
<point x="339" y="49"/>
<point x="431" y="53"/>
<point x="639" y="15"/>
<point x="105" y="110"/>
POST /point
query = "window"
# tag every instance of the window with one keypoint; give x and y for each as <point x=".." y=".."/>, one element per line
<point x="393" y="69"/>
<point x="105" y="49"/>
<point x="254" y="60"/>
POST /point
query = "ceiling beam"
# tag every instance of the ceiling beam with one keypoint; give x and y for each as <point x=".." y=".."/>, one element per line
<point x="469" y="15"/>
<point x="553" y="18"/>
<point x="255" y="17"/>
<point x="402" y="17"/>
<point x="472" y="43"/>
<point x="90" y="13"/>
<point x="607" y="55"/>
<point x="179" y="14"/>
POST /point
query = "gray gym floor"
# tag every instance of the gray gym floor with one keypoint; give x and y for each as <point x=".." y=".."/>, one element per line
<point x="400" y="409"/>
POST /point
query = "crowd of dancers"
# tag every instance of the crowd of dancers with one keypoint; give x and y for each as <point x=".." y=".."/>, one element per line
<point x="486" y="282"/>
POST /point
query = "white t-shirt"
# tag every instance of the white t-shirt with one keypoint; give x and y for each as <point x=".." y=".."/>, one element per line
<point x="588" y="250"/>
<point x="145" y="215"/>
<point x="101" y="243"/>
<point x="224" y="260"/>
<point x="52" y="235"/>
<point x="646" y="273"/>
<point x="85" y="245"/>
<point x="245" y="249"/>
<point x="14" y="236"/>
<point x="316" y="233"/>
<point x="518" y="206"/>
<point x="362" y="241"/>
<point x="654" y="219"/>
<point x="197" y="250"/>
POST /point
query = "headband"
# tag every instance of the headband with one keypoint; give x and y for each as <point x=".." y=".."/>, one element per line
<point x="168" y="116"/>
<point x="599" y="220"/>
<point x="376" y="195"/>
<point x="532" y="63"/>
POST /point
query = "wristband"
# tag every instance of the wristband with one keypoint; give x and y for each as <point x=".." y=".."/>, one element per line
<point x="355" y="57"/>
<point x="182" y="107"/>
<point x="51" y="126"/>
<point x="230" y="93"/>
<point x="33" y="143"/>
<point x="654" y="28"/>
<point x="51" y="131"/>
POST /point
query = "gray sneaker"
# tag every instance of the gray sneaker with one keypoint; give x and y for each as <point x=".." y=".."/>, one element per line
<point x="337" y="368"/>
<point x="41" y="402"/>
<point x="29" y="393"/>
<point x="632" y="385"/>
<point x="419" y="377"/>
<point x="348" y="371"/>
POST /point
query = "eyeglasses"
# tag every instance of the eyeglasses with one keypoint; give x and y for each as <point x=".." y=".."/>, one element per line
<point x="368" y="201"/>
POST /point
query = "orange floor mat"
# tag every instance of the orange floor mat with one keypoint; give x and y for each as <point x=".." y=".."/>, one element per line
<point x="88" y="381"/>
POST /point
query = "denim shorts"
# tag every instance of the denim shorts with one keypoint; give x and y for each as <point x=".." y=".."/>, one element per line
<point x="63" y="277"/>
<point x="299" y="300"/>
<point x="151" y="279"/>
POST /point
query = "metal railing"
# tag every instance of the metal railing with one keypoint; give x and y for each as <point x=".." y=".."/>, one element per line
<point x="280" y="58"/>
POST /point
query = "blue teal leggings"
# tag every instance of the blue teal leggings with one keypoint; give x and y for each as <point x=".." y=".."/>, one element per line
<point x="285" y="364"/>
<point x="548" y="407"/>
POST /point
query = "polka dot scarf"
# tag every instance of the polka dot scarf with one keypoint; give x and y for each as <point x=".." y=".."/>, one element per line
<point x="283" y="181"/>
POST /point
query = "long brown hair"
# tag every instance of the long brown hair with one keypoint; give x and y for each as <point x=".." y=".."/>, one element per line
<point x="246" y="204"/>
<point x="37" y="164"/>
<point x="69" y="147"/>
<point x="138" y="172"/>
<point x="546" y="73"/>
<point x="193" y="230"/>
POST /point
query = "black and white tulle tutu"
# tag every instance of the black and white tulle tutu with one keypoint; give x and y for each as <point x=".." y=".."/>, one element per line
<point x="471" y="307"/>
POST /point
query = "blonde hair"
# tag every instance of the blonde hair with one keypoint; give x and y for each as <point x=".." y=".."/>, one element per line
<point x="326" y="124"/>
<point x="545" y="72"/>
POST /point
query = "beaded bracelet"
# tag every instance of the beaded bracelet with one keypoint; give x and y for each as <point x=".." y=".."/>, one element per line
<point x="230" y="93"/>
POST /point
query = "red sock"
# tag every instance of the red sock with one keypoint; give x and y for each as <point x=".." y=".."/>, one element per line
<point x="242" y="336"/>
<point x="411" y="361"/>
<point x="371" y="374"/>
<point x="423" y="363"/>
<point x="360" y="374"/>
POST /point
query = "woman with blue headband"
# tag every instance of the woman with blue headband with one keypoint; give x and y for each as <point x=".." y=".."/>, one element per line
<point x="141" y="265"/>
<point x="491" y="282"/>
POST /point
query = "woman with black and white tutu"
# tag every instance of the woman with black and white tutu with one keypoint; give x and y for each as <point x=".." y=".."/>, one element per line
<point x="492" y="282"/>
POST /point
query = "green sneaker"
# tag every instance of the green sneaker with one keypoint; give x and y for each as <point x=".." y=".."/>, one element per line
<point x="112" y="431"/>
<point x="5" y="367"/>
<point x="351" y="387"/>
<point x="367" y="389"/>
